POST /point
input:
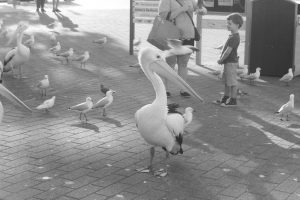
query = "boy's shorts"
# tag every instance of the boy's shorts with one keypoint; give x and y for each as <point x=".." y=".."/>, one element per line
<point x="229" y="74"/>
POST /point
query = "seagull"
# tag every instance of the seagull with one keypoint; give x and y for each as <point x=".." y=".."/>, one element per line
<point x="19" y="55"/>
<point x="287" y="108"/>
<point x="287" y="77"/>
<point x="43" y="85"/>
<point x="176" y="48"/>
<point x="67" y="54"/>
<point x="103" y="89"/>
<point x="53" y="37"/>
<point x="240" y="93"/>
<point x="82" y="58"/>
<point x="105" y="101"/>
<point x="101" y="40"/>
<point x="1" y="112"/>
<point x="30" y="41"/>
<point x="217" y="73"/>
<point x="156" y="126"/>
<point x="83" y="108"/>
<point x="56" y="48"/>
<point x="188" y="116"/>
<point x="254" y="76"/>
<point x="46" y="105"/>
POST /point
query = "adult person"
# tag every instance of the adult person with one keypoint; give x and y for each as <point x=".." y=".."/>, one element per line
<point x="40" y="4"/>
<point x="55" y="6"/>
<point x="179" y="13"/>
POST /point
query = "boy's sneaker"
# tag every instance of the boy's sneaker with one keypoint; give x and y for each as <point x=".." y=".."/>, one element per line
<point x="223" y="100"/>
<point x="231" y="103"/>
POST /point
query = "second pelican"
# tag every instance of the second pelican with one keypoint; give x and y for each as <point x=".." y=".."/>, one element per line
<point x="152" y="120"/>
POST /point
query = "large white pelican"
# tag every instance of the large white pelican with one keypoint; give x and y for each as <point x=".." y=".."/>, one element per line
<point x="19" y="55"/>
<point x="152" y="120"/>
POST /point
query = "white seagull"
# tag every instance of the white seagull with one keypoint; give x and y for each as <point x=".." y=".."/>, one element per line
<point x="82" y="58"/>
<point x="242" y="71"/>
<point x="55" y="48"/>
<point x="105" y="101"/>
<point x="53" y="38"/>
<point x="188" y="116"/>
<point x="254" y="76"/>
<point x="152" y="120"/>
<point x="83" y="108"/>
<point x="30" y="41"/>
<point x="67" y="54"/>
<point x="19" y="55"/>
<point x="287" y="108"/>
<point x="176" y="48"/>
<point x="46" y="105"/>
<point x="217" y="73"/>
<point x="287" y="77"/>
<point x="43" y="85"/>
<point x="101" y="40"/>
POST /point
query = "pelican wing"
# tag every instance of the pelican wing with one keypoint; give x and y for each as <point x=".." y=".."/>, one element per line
<point x="10" y="96"/>
<point x="80" y="107"/>
<point x="9" y="56"/>
<point x="101" y="103"/>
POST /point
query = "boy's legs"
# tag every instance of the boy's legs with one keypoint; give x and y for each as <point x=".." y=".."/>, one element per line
<point x="231" y="81"/>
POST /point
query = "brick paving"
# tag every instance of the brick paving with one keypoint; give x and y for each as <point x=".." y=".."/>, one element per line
<point x="239" y="153"/>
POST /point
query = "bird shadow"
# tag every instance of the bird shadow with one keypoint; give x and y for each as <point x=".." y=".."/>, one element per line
<point x="46" y="114"/>
<point x="46" y="20"/>
<point x="87" y="126"/>
<point x="111" y="121"/>
<point x="297" y="126"/>
<point x="66" y="22"/>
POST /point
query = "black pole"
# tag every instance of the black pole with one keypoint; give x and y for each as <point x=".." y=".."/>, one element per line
<point x="132" y="28"/>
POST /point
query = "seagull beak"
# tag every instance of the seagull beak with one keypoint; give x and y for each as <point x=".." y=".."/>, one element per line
<point x="163" y="69"/>
<point x="10" y="96"/>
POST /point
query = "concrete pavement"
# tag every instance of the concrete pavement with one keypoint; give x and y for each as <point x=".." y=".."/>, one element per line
<point x="239" y="153"/>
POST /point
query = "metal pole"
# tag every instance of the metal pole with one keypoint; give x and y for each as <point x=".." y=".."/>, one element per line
<point x="132" y="28"/>
<point x="199" y="27"/>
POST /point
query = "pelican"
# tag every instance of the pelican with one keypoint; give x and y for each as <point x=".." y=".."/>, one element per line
<point x="287" y="108"/>
<point x="43" y="85"/>
<point x="82" y="58"/>
<point x="152" y="120"/>
<point x="19" y="55"/>
<point x="11" y="97"/>
<point x="287" y="77"/>
<point x="47" y="104"/>
<point x="105" y="101"/>
<point x="83" y="108"/>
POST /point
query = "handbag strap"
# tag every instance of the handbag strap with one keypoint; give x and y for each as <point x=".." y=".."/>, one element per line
<point x="187" y="14"/>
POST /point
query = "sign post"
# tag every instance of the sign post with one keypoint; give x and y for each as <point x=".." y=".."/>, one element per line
<point x="132" y="28"/>
<point x="199" y="27"/>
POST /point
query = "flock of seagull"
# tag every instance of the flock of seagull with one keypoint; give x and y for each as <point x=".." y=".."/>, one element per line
<point x="160" y="124"/>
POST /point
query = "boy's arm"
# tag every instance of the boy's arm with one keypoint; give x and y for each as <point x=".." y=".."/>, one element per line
<point x="225" y="55"/>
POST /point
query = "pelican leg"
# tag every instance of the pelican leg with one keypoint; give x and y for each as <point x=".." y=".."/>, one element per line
<point x="152" y="152"/>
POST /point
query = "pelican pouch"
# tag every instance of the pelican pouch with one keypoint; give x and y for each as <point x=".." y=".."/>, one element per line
<point x="162" y="30"/>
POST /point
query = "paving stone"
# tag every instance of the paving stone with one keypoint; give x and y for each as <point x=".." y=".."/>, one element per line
<point x="83" y="191"/>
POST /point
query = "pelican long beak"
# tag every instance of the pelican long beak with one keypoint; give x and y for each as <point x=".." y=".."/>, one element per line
<point x="163" y="69"/>
<point x="10" y="96"/>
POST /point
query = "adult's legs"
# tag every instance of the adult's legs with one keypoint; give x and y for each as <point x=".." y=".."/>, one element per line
<point x="182" y="62"/>
<point x="38" y="4"/>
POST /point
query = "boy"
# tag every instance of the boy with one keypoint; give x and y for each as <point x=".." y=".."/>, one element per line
<point x="230" y="60"/>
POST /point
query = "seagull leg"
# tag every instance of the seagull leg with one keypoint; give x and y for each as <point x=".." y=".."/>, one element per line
<point x="152" y="152"/>
<point x="85" y="117"/>
<point x="80" y="116"/>
<point x="104" y="113"/>
<point x="281" y="117"/>
<point x="287" y="117"/>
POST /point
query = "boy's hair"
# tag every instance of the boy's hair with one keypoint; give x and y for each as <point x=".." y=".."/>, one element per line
<point x="236" y="18"/>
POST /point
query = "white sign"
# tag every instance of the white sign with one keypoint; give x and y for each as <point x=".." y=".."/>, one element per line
<point x="225" y="2"/>
<point x="209" y="3"/>
<point x="143" y="20"/>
